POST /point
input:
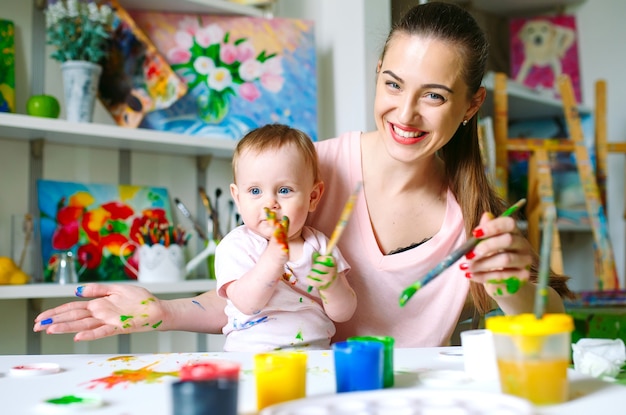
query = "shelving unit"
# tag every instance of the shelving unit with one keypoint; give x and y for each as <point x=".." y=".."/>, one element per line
<point x="25" y="127"/>
<point x="32" y="130"/>
<point x="520" y="7"/>
<point x="524" y="103"/>
<point x="195" y="6"/>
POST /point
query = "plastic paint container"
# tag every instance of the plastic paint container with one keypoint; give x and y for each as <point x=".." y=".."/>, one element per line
<point x="533" y="355"/>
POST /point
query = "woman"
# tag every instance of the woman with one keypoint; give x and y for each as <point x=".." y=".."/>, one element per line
<point x="425" y="192"/>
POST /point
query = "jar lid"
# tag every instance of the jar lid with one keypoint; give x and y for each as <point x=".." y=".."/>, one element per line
<point x="529" y="325"/>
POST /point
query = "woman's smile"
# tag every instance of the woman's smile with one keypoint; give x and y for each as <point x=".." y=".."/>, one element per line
<point x="406" y="136"/>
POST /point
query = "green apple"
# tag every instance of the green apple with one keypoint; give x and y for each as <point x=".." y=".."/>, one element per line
<point x="43" y="106"/>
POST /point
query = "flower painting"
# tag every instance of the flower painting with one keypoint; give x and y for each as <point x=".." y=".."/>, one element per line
<point x="241" y="72"/>
<point x="98" y="223"/>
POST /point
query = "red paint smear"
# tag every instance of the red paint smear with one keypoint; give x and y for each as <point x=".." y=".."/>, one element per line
<point x="128" y="376"/>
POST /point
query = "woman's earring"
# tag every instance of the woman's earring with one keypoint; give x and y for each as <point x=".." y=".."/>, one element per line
<point x="464" y="123"/>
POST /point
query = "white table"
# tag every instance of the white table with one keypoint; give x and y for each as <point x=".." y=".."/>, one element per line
<point x="21" y="395"/>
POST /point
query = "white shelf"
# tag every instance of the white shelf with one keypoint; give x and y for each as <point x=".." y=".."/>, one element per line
<point x="193" y="6"/>
<point x="521" y="7"/>
<point x="525" y="103"/>
<point x="25" y="127"/>
<point x="51" y="290"/>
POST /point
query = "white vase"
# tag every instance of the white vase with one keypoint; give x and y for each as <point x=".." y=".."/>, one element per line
<point x="80" y="83"/>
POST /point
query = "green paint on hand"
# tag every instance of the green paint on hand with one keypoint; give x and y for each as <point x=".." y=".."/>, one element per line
<point x="124" y="318"/>
<point x="155" y="325"/>
<point x="317" y="271"/>
<point x="145" y="324"/>
<point x="127" y="325"/>
<point x="512" y="284"/>
<point x="314" y="278"/>
<point x="329" y="262"/>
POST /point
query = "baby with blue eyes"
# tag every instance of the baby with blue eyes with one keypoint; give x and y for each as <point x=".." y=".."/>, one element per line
<point x="281" y="290"/>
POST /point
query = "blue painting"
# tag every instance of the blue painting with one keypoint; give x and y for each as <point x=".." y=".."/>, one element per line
<point x="241" y="73"/>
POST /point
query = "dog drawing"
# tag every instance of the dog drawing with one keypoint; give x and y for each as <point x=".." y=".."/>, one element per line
<point x="545" y="44"/>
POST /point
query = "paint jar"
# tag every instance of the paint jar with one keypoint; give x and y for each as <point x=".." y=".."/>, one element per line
<point x="388" y="343"/>
<point x="280" y="377"/>
<point x="533" y="355"/>
<point x="479" y="355"/>
<point x="206" y="387"/>
<point x="358" y="365"/>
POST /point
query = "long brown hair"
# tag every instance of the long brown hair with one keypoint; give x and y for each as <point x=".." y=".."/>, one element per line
<point x="464" y="168"/>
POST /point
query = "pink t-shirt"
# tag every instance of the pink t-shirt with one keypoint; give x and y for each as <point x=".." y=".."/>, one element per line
<point x="431" y="315"/>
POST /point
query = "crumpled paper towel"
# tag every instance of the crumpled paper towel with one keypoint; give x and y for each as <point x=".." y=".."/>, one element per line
<point x="599" y="357"/>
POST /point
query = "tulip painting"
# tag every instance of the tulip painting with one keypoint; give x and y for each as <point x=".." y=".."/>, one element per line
<point x="241" y="72"/>
<point x="99" y="223"/>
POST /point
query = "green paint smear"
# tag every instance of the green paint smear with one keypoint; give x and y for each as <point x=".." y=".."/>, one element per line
<point x="127" y="325"/>
<point x="124" y="318"/>
<point x="299" y="336"/>
<point x="148" y="301"/>
<point x="69" y="399"/>
<point x="314" y="278"/>
<point x="512" y="284"/>
<point x="155" y="325"/>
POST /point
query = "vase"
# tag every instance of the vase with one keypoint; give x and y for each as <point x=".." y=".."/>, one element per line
<point x="80" y="85"/>
<point x="213" y="108"/>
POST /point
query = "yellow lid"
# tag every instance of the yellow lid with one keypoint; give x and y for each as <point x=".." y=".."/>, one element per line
<point x="529" y="325"/>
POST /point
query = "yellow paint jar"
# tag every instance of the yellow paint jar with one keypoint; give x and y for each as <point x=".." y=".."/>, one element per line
<point x="280" y="377"/>
<point x="533" y="355"/>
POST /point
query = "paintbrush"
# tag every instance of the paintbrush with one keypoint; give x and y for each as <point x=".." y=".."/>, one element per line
<point x="541" y="292"/>
<point x="187" y="214"/>
<point x="343" y="220"/>
<point x="209" y="210"/>
<point x="451" y="259"/>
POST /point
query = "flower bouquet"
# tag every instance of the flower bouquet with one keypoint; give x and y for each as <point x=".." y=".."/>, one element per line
<point x="79" y="30"/>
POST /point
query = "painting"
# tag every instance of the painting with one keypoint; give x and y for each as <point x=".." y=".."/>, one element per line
<point x="241" y="72"/>
<point x="543" y="48"/>
<point x="98" y="223"/>
<point x="7" y="66"/>
<point x="136" y="78"/>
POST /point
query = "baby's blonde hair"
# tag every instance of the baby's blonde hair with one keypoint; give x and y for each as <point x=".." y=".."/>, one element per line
<point x="273" y="137"/>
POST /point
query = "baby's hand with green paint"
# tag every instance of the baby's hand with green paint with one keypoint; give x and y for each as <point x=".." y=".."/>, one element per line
<point x="323" y="272"/>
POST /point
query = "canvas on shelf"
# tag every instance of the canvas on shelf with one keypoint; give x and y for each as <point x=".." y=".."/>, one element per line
<point x="541" y="49"/>
<point x="7" y="66"/>
<point x="136" y="79"/>
<point x="98" y="223"/>
<point x="241" y="72"/>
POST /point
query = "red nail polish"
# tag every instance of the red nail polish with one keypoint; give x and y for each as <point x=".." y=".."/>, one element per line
<point x="464" y="266"/>
<point x="470" y="254"/>
<point x="478" y="233"/>
<point x="468" y="275"/>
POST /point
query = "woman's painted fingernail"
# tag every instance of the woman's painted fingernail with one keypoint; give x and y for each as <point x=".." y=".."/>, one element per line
<point x="470" y="254"/>
<point x="79" y="290"/>
<point x="478" y="233"/>
<point x="464" y="266"/>
<point x="46" y="322"/>
<point x="468" y="275"/>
